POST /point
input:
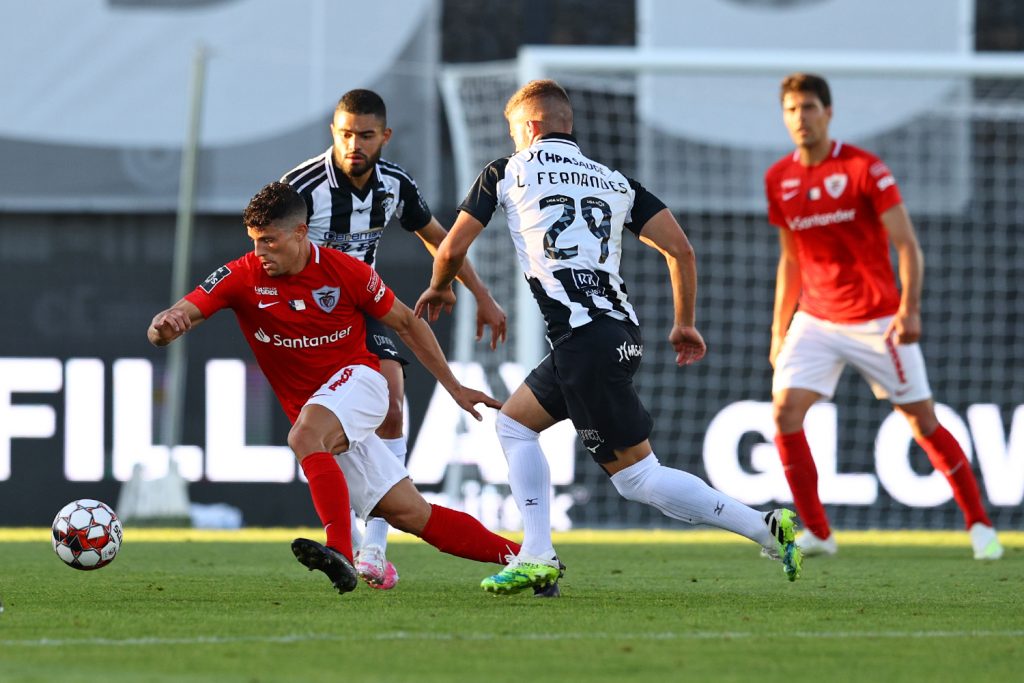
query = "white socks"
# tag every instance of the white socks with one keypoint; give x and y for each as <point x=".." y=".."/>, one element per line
<point x="682" y="496"/>
<point x="357" y="535"/>
<point x="377" y="527"/>
<point x="530" y="479"/>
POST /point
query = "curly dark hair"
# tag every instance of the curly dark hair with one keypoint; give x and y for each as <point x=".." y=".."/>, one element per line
<point x="361" y="101"/>
<point x="812" y="83"/>
<point x="273" y="203"/>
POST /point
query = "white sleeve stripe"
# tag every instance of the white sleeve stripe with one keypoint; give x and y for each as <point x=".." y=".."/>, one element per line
<point x="315" y="180"/>
<point x="304" y="166"/>
<point x="394" y="169"/>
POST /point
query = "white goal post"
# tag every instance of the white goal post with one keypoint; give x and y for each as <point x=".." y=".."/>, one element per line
<point x="536" y="61"/>
<point x="699" y="128"/>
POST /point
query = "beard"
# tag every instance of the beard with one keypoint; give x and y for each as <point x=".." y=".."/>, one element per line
<point x="355" y="168"/>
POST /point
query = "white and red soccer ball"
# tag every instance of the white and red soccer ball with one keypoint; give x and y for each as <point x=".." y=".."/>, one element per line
<point x="86" y="534"/>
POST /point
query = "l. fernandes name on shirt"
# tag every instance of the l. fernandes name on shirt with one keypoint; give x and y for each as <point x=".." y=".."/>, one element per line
<point x="580" y="179"/>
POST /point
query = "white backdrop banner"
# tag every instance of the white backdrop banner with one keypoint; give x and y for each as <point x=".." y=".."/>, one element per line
<point x="96" y="94"/>
<point x="745" y="111"/>
<point x="730" y="126"/>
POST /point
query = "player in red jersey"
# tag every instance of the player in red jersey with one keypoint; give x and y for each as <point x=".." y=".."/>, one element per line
<point x="353" y="196"/>
<point x="836" y="302"/>
<point x="301" y="309"/>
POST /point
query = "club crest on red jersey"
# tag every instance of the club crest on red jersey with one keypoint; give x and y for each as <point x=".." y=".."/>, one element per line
<point x="835" y="184"/>
<point x="326" y="298"/>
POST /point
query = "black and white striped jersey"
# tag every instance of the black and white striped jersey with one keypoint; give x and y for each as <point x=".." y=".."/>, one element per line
<point x="566" y="213"/>
<point x="343" y="217"/>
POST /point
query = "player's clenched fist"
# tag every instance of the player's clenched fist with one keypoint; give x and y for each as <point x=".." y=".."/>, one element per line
<point x="169" y="325"/>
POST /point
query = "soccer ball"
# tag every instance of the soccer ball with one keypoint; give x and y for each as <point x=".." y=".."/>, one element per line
<point x="86" y="534"/>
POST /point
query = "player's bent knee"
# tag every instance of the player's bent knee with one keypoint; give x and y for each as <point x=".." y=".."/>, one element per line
<point x="630" y="491"/>
<point x="633" y="482"/>
<point x="512" y="434"/>
<point x="303" y="441"/>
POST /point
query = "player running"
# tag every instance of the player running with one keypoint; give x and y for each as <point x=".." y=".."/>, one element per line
<point x="836" y="302"/>
<point x="351" y="196"/>
<point x="302" y="310"/>
<point x="566" y="214"/>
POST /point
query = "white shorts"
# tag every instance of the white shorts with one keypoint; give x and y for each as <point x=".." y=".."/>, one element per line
<point x="358" y="397"/>
<point x="371" y="470"/>
<point x="815" y="352"/>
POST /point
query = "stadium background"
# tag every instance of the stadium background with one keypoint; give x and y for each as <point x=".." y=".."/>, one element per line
<point x="82" y="283"/>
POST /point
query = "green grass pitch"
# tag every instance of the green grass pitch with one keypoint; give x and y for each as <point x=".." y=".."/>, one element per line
<point x="636" y="606"/>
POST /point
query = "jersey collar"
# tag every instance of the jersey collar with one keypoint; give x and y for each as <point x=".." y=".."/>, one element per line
<point x="558" y="138"/>
<point x="837" y="146"/>
<point x="330" y="168"/>
<point x="335" y="176"/>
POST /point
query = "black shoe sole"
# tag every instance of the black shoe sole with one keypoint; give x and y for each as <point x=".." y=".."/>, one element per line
<point x="338" y="569"/>
<point x="551" y="590"/>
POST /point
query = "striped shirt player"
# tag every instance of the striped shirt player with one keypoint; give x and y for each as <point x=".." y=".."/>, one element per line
<point x="567" y="215"/>
<point x="345" y="217"/>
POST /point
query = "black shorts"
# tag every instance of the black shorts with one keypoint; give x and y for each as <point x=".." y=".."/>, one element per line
<point x="379" y="343"/>
<point x="588" y="378"/>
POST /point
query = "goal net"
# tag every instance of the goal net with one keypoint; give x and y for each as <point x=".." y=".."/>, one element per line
<point x="699" y="129"/>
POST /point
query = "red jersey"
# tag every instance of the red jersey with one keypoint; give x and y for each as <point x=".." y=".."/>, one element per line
<point x="302" y="328"/>
<point x="834" y="211"/>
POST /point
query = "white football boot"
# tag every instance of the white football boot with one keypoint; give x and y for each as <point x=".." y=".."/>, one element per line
<point x="811" y="545"/>
<point x="985" y="542"/>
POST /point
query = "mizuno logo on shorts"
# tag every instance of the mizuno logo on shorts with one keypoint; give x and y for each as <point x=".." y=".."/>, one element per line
<point x="627" y="351"/>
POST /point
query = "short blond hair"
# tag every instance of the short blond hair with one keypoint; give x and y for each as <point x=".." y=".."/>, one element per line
<point x="546" y="101"/>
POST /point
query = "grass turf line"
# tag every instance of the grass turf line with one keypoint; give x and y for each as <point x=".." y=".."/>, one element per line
<point x="888" y="537"/>
<point x="246" y="611"/>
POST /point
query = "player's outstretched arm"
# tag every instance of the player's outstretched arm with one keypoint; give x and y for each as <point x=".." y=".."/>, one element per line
<point x="663" y="233"/>
<point x="488" y="312"/>
<point x="451" y="253"/>
<point x="175" y="321"/>
<point x="417" y="335"/>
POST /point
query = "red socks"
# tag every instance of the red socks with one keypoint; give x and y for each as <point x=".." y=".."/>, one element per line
<point x="802" y="476"/>
<point x="947" y="457"/>
<point x="459" y="534"/>
<point x="943" y="451"/>
<point x="330" y="498"/>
